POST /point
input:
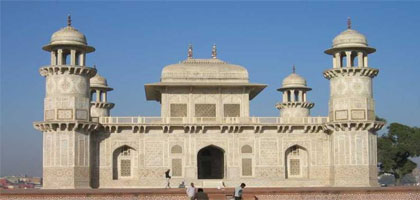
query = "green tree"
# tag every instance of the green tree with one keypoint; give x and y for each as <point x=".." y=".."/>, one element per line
<point x="395" y="149"/>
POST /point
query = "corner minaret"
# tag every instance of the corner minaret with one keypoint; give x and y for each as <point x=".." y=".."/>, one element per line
<point x="352" y="111"/>
<point x="294" y="104"/>
<point x="99" y="106"/>
<point x="67" y="126"/>
<point x="351" y="77"/>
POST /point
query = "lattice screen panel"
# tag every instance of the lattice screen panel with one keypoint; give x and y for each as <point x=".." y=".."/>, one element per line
<point x="246" y="167"/>
<point x="125" y="167"/>
<point x="205" y="110"/>
<point x="294" y="167"/>
<point x="178" y="110"/>
<point x="232" y="110"/>
<point x="176" y="167"/>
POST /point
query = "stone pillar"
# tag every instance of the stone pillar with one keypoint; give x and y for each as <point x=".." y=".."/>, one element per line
<point x="360" y="59"/>
<point x="300" y="96"/>
<point x="338" y="60"/>
<point x="98" y="96"/>
<point x="348" y="58"/>
<point x="53" y="58"/>
<point x="104" y="96"/>
<point x="60" y="57"/>
<point x="73" y="57"/>
<point x="82" y="59"/>
<point x="365" y="61"/>
<point x="304" y="97"/>
<point x="285" y="96"/>
<point x="292" y="95"/>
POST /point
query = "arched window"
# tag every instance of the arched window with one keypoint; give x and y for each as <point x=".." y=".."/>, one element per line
<point x="123" y="161"/>
<point x="176" y="149"/>
<point x="289" y="96"/>
<point x="296" y="162"/>
<point x="246" y="149"/>
<point x="297" y="95"/>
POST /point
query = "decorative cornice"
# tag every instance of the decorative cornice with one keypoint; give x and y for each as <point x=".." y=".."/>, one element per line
<point x="283" y="105"/>
<point x="350" y="71"/>
<point x="354" y="126"/>
<point x="67" y="69"/>
<point x="66" y="126"/>
<point x="102" y="104"/>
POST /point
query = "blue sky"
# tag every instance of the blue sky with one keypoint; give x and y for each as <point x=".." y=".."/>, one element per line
<point x="135" y="40"/>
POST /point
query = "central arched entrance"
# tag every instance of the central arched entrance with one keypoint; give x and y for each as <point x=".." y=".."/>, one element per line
<point x="210" y="163"/>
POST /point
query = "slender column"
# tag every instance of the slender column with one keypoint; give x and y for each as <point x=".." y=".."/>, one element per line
<point x="53" y="58"/>
<point x="334" y="62"/>
<point x="98" y="95"/>
<point x="300" y="95"/>
<point x="73" y="57"/>
<point x="338" y="60"/>
<point x="103" y="96"/>
<point x="285" y="97"/>
<point x="348" y="58"/>
<point x="304" y="97"/>
<point x="82" y="59"/>
<point x="292" y="95"/>
<point x="360" y="59"/>
<point x="60" y="57"/>
<point x="365" y="61"/>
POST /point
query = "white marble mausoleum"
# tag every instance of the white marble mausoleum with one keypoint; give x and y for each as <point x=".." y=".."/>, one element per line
<point x="205" y="133"/>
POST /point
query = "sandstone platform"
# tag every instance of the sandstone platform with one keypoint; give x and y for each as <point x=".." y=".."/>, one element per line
<point x="391" y="193"/>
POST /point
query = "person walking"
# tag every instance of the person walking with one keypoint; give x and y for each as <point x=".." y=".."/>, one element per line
<point x="239" y="191"/>
<point x="191" y="191"/>
<point x="168" y="178"/>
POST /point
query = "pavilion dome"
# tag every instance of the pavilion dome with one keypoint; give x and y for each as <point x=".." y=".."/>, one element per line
<point x="204" y="70"/>
<point x="69" y="36"/>
<point x="350" y="38"/>
<point x="98" y="81"/>
<point x="294" y="81"/>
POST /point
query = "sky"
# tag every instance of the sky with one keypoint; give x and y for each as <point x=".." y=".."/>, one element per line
<point x="135" y="40"/>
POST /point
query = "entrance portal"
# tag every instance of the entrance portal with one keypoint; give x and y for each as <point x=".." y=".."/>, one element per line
<point x="210" y="161"/>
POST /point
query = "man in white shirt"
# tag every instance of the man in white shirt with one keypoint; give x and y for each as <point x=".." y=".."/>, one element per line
<point x="238" y="191"/>
<point x="191" y="191"/>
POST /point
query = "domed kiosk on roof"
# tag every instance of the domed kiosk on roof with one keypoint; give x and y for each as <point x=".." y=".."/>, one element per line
<point x="211" y="72"/>
<point x="69" y="36"/>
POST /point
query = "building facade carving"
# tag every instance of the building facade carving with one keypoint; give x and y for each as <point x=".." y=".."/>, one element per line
<point x="205" y="134"/>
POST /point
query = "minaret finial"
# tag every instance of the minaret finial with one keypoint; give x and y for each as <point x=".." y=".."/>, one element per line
<point x="190" y="51"/>
<point x="294" y="69"/>
<point x="214" y="51"/>
<point x="69" y="20"/>
<point x="348" y="23"/>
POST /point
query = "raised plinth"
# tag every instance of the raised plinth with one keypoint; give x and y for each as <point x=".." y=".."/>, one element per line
<point x="327" y="193"/>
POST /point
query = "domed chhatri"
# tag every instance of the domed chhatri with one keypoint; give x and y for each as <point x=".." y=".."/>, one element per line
<point x="68" y="36"/>
<point x="350" y="38"/>
<point x="99" y="81"/>
<point x="293" y="81"/>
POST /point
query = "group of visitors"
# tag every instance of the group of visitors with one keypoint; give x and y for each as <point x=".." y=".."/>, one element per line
<point x="199" y="194"/>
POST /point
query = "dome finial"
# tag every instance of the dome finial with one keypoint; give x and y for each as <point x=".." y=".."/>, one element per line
<point x="214" y="51"/>
<point x="294" y="69"/>
<point x="190" y="51"/>
<point x="69" y="20"/>
<point x="348" y="23"/>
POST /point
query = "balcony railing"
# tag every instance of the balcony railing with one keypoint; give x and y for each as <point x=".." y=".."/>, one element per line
<point x="211" y="120"/>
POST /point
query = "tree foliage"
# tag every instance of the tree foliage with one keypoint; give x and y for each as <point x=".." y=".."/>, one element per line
<point x="396" y="148"/>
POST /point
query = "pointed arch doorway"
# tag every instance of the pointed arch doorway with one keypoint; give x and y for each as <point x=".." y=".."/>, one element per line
<point x="211" y="163"/>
